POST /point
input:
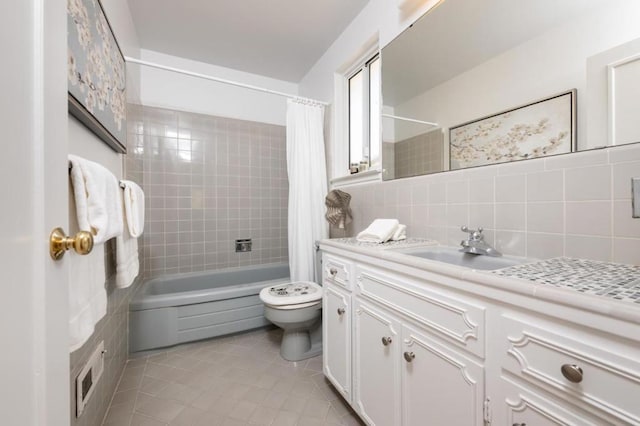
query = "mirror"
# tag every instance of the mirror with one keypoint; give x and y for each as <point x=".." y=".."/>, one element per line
<point x="483" y="82"/>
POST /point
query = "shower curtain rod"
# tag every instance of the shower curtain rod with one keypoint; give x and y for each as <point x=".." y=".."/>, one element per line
<point x="222" y="80"/>
<point x="411" y="120"/>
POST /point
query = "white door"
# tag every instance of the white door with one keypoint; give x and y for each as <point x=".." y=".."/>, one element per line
<point x="34" y="367"/>
<point x="336" y="339"/>
<point x="376" y="365"/>
<point x="439" y="385"/>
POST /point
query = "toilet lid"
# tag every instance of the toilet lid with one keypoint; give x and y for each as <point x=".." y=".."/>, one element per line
<point x="291" y="294"/>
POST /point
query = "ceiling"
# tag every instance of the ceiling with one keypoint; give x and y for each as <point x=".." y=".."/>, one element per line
<point x="281" y="39"/>
<point x="461" y="34"/>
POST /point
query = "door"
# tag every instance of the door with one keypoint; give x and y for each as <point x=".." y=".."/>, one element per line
<point x="336" y="338"/>
<point x="439" y="385"/>
<point x="376" y="365"/>
<point x="34" y="389"/>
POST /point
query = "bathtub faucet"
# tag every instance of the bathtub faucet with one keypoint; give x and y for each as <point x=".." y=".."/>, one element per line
<point x="476" y="244"/>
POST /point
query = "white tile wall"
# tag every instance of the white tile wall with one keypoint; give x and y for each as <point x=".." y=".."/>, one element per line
<point x="575" y="205"/>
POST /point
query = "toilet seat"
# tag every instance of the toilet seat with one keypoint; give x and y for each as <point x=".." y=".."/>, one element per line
<point x="293" y="295"/>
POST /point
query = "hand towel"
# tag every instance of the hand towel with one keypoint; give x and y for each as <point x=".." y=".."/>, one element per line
<point x="127" y="263"/>
<point x="338" y="210"/>
<point x="380" y="231"/>
<point x="400" y="234"/>
<point x="98" y="199"/>
<point x="133" y="207"/>
<point x="87" y="295"/>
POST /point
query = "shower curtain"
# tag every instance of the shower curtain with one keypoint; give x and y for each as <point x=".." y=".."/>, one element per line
<point x="307" y="186"/>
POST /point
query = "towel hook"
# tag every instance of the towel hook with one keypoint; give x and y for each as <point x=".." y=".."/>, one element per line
<point x="59" y="243"/>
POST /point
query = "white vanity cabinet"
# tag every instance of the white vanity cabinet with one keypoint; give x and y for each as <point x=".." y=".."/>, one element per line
<point x="411" y="347"/>
<point x="336" y="325"/>
<point x="408" y="349"/>
<point x="545" y="364"/>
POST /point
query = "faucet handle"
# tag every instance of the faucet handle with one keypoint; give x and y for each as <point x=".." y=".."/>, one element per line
<point x="464" y="228"/>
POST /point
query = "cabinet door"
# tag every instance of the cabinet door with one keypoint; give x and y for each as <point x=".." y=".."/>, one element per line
<point x="524" y="406"/>
<point x="336" y="333"/>
<point x="376" y="365"/>
<point x="439" y="385"/>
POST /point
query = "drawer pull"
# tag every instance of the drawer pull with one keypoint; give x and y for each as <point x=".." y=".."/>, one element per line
<point x="572" y="373"/>
<point x="386" y="341"/>
<point x="519" y="424"/>
<point x="341" y="311"/>
<point x="409" y="356"/>
<point x="333" y="272"/>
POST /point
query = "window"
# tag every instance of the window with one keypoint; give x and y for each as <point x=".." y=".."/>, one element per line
<point x="364" y="114"/>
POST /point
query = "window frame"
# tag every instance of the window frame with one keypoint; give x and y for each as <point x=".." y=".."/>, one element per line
<point x="364" y="67"/>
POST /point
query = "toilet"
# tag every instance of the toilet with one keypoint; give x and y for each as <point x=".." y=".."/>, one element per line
<point x="297" y="309"/>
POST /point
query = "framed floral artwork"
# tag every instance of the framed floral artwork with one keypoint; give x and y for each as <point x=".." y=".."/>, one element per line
<point x="541" y="128"/>
<point x="96" y="73"/>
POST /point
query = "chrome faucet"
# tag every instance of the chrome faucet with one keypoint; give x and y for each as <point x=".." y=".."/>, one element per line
<point x="476" y="243"/>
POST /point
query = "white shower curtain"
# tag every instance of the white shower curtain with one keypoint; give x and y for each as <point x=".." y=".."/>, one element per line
<point x="306" y="168"/>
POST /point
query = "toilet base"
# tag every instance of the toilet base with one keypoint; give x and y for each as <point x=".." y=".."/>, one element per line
<point x="302" y="337"/>
<point x="299" y="345"/>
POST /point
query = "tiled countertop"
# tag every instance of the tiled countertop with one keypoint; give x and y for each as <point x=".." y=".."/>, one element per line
<point x="408" y="242"/>
<point x="617" y="281"/>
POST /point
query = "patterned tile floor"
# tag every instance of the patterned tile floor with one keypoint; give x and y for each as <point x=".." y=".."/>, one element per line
<point x="228" y="381"/>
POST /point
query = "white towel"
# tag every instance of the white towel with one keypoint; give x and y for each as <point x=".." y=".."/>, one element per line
<point x="127" y="264"/>
<point x="380" y="231"/>
<point x="98" y="199"/>
<point x="400" y="234"/>
<point x="133" y="207"/>
<point x="87" y="295"/>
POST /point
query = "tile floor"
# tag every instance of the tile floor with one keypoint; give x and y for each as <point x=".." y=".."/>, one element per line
<point x="228" y="381"/>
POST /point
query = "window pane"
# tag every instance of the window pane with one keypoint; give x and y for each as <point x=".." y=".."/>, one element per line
<point x="374" y="111"/>
<point x="356" y="117"/>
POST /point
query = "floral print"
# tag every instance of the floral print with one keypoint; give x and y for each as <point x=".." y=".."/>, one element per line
<point x="536" y="130"/>
<point x="96" y="69"/>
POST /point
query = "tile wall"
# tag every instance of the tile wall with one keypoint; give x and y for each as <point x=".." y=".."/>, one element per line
<point x="419" y="155"/>
<point x="113" y="328"/>
<point x="576" y="205"/>
<point x="209" y="181"/>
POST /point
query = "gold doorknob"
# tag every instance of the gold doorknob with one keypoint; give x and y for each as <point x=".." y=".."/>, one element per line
<point x="59" y="243"/>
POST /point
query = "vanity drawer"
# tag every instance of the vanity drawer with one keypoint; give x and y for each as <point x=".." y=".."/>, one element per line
<point x="590" y="372"/>
<point x="336" y="271"/>
<point x="446" y="316"/>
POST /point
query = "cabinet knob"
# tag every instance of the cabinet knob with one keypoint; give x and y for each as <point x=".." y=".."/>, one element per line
<point x="572" y="373"/>
<point x="386" y="341"/>
<point x="409" y="356"/>
<point x="341" y="311"/>
<point x="333" y="272"/>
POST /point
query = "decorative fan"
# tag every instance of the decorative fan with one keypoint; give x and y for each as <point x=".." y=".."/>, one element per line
<point x="338" y="210"/>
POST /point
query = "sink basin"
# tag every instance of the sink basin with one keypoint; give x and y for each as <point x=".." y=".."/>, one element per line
<point x="454" y="256"/>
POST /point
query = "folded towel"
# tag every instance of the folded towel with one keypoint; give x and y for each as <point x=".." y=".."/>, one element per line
<point x="380" y="231"/>
<point x="98" y="199"/>
<point x="133" y="207"/>
<point x="400" y="234"/>
<point x="87" y="295"/>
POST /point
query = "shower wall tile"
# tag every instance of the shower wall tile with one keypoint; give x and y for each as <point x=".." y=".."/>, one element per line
<point x="209" y="181"/>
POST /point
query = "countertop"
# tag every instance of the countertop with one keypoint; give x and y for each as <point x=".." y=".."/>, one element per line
<point x="606" y="288"/>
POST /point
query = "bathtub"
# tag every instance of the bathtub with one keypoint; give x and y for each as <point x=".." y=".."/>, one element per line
<point x="182" y="308"/>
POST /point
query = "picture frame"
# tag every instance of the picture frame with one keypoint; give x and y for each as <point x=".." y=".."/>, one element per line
<point x="541" y="128"/>
<point x="96" y="73"/>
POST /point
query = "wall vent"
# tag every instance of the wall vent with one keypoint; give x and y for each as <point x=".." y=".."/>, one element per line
<point x="88" y="378"/>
